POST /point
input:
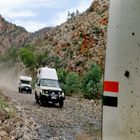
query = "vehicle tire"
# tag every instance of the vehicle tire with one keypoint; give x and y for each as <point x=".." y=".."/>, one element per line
<point x="36" y="98"/>
<point x="30" y="92"/>
<point x="61" y="103"/>
<point x="19" y="90"/>
<point x="41" y="102"/>
<point x="47" y="103"/>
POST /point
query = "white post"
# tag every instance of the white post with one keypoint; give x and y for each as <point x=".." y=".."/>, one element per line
<point x="121" y="103"/>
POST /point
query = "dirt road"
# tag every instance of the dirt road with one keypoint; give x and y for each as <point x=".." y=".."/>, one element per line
<point x="79" y="119"/>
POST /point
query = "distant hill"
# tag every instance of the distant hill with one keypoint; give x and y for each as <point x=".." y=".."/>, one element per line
<point x="11" y="35"/>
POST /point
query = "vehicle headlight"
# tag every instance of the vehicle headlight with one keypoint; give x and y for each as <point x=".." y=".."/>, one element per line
<point x="60" y="93"/>
<point x="45" y="91"/>
<point x="63" y="94"/>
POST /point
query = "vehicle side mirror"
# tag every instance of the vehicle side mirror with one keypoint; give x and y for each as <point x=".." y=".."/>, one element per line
<point x="38" y="82"/>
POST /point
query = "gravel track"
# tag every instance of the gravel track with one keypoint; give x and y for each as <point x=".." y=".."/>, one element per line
<point x="79" y="119"/>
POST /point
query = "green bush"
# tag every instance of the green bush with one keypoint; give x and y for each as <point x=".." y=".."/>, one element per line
<point x="57" y="62"/>
<point x="62" y="73"/>
<point x="72" y="84"/>
<point x="81" y="35"/>
<point x="96" y="30"/>
<point x="42" y="59"/>
<point x="27" y="57"/>
<point x="91" y="82"/>
<point x="89" y="87"/>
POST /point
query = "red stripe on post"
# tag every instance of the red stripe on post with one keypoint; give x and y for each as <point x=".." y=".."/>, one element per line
<point x="111" y="86"/>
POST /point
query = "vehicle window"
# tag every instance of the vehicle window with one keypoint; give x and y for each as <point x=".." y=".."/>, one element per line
<point x="25" y="82"/>
<point x="49" y="83"/>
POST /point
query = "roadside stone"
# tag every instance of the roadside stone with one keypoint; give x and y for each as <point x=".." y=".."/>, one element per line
<point x="3" y="133"/>
<point x="26" y="137"/>
<point x="19" y="135"/>
<point x="21" y="139"/>
<point x="26" y="129"/>
<point x="7" y="109"/>
<point x="3" y="115"/>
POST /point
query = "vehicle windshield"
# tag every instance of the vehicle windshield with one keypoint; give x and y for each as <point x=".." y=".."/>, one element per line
<point x="49" y="83"/>
<point x="25" y="82"/>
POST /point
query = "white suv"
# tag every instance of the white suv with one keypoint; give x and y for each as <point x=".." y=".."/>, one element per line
<point x="47" y="89"/>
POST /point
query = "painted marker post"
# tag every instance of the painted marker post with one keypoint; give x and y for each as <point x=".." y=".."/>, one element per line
<point x="110" y="97"/>
<point x="121" y="97"/>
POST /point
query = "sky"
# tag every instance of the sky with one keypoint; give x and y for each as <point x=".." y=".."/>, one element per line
<point x="37" y="14"/>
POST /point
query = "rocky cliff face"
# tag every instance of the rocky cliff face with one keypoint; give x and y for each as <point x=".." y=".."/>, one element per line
<point x="77" y="43"/>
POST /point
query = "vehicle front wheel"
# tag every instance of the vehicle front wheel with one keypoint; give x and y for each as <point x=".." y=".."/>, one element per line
<point x="41" y="102"/>
<point x="36" y="98"/>
<point x="61" y="103"/>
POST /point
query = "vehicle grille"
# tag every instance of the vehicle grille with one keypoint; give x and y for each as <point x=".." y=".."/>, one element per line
<point x="53" y="92"/>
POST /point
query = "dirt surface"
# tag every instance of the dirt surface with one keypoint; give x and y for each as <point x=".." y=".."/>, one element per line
<point x="79" y="119"/>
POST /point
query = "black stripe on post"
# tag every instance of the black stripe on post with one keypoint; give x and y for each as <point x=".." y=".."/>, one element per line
<point x="110" y="101"/>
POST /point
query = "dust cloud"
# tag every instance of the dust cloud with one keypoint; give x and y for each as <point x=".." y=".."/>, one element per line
<point x="9" y="76"/>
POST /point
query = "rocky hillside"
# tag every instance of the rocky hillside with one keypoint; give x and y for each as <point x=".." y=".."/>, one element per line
<point x="77" y="43"/>
<point x="11" y="35"/>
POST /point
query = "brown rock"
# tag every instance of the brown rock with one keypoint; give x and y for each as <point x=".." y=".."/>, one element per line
<point x="3" y="134"/>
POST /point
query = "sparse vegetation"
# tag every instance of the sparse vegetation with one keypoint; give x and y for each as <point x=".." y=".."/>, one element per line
<point x="73" y="14"/>
<point x="10" y="57"/>
<point x="78" y="63"/>
<point x="96" y="30"/>
<point x="81" y="35"/>
<point x="6" y="111"/>
<point x="3" y="103"/>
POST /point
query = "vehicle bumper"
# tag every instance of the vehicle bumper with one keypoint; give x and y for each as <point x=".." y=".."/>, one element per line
<point x="26" y="89"/>
<point x="53" y="98"/>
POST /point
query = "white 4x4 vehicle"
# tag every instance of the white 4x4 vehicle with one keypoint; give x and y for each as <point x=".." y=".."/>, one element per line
<point x="25" y="84"/>
<point x="47" y="89"/>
